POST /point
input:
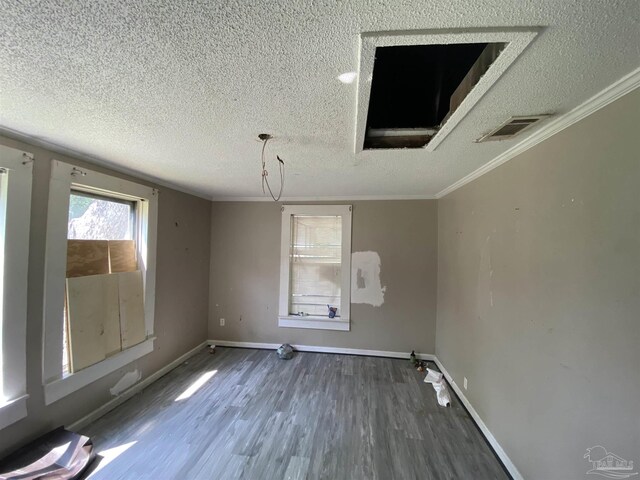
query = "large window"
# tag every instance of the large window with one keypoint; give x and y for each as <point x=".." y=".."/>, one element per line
<point x="15" y="217"/>
<point x="100" y="277"/>
<point x="101" y="258"/>
<point x="315" y="267"/>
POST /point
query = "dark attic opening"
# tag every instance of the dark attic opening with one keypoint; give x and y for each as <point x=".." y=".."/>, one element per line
<point x="416" y="88"/>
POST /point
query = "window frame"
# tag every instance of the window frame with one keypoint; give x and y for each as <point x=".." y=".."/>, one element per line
<point x="16" y="179"/>
<point x="285" y="319"/>
<point x="133" y="230"/>
<point x="66" y="178"/>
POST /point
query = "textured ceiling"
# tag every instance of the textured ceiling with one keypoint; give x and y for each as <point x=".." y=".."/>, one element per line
<point x="178" y="91"/>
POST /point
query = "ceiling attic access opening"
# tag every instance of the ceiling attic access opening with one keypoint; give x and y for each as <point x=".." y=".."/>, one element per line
<point x="416" y="88"/>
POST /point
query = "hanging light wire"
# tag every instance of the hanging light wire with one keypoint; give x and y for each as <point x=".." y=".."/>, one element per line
<point x="265" y="174"/>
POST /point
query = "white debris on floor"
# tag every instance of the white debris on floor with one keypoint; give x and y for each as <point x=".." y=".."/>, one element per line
<point x="439" y="385"/>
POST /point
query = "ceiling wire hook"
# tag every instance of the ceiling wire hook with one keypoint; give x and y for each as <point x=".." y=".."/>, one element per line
<point x="265" y="137"/>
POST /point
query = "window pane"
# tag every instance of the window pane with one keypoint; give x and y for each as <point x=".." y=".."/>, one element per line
<point x="315" y="261"/>
<point x="94" y="217"/>
<point x="99" y="218"/>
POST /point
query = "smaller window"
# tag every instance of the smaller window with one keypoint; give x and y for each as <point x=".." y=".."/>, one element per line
<point x="315" y="267"/>
<point x="316" y="262"/>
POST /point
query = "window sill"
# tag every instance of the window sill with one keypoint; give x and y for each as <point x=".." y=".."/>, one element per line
<point x="12" y="411"/>
<point x="317" y="323"/>
<point x="58" y="389"/>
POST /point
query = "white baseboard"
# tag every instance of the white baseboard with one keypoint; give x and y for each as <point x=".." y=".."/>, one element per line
<point x="483" y="428"/>
<point x="110" y="405"/>
<point x="107" y="407"/>
<point x="382" y="353"/>
<point x="320" y="349"/>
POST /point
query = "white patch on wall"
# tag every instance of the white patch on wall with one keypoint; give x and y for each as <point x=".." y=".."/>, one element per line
<point x="128" y="380"/>
<point x="365" y="279"/>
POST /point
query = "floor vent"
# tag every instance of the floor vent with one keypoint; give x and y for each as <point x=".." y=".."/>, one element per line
<point x="511" y="128"/>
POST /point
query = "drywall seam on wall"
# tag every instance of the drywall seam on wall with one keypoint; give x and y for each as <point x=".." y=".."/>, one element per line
<point x="128" y="380"/>
<point x="365" y="279"/>
<point x="484" y="288"/>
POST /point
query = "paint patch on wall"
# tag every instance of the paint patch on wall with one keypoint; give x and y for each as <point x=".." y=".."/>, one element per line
<point x="365" y="279"/>
<point x="128" y="380"/>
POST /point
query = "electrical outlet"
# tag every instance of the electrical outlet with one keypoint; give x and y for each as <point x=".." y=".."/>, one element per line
<point x="222" y="324"/>
<point x="465" y="383"/>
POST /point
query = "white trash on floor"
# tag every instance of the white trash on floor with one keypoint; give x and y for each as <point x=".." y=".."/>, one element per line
<point x="433" y="376"/>
<point x="439" y="385"/>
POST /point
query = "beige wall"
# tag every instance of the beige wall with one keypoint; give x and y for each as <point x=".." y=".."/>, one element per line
<point x="539" y="295"/>
<point x="182" y="278"/>
<point x="245" y="276"/>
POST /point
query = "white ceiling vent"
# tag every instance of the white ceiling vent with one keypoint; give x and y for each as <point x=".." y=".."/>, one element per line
<point x="511" y="128"/>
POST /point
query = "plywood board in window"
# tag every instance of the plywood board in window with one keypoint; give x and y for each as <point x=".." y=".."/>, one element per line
<point x="93" y="317"/>
<point x="131" y="294"/>
<point x="87" y="257"/>
<point x="112" y="337"/>
<point x="122" y="256"/>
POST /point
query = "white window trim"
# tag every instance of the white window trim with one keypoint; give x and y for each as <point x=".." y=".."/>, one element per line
<point x="315" y="322"/>
<point x="58" y="389"/>
<point x="17" y="188"/>
<point x="65" y="177"/>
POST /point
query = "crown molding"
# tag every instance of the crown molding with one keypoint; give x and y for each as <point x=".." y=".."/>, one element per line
<point x="351" y="198"/>
<point x="616" y="90"/>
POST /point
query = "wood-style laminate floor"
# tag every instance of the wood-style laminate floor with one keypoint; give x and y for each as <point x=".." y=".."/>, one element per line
<point x="317" y="416"/>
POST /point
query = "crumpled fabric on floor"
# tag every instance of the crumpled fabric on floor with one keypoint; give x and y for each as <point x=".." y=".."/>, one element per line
<point x="439" y="385"/>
